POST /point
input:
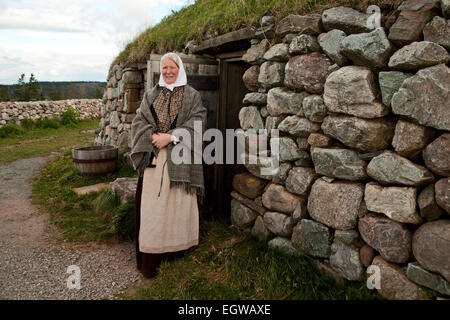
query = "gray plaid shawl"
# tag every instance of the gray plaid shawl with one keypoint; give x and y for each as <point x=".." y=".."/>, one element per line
<point x="188" y="176"/>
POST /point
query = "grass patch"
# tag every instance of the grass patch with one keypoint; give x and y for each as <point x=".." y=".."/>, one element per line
<point x="83" y="218"/>
<point x="39" y="138"/>
<point x="230" y="265"/>
<point x="221" y="16"/>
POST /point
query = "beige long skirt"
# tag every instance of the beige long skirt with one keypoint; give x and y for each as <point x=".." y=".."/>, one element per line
<point x="169" y="221"/>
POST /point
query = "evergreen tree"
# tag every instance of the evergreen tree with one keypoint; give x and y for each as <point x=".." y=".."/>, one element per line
<point x="4" y="96"/>
<point x="54" y="93"/>
<point x="98" y="93"/>
<point x="21" y="92"/>
<point x="33" y="88"/>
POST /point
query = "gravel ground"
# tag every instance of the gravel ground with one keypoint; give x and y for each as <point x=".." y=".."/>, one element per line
<point x="34" y="266"/>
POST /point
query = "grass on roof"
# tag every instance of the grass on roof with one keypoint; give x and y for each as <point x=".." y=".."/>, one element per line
<point x="210" y="17"/>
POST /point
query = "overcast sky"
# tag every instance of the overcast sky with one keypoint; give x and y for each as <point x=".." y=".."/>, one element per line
<point x="71" y="40"/>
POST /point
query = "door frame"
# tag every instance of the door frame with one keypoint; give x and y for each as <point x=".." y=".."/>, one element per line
<point x="220" y="170"/>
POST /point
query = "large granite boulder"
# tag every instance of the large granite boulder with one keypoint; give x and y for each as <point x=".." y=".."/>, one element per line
<point x="339" y="163"/>
<point x="425" y="278"/>
<point x="248" y="185"/>
<point x="278" y="199"/>
<point x="298" y="126"/>
<point x="345" y="259"/>
<point x="278" y="223"/>
<point x="371" y="49"/>
<point x="303" y="44"/>
<point x="353" y="90"/>
<point x="428" y="206"/>
<point x="410" y="138"/>
<point x="390" y="238"/>
<point x="283" y="101"/>
<point x="255" y="55"/>
<point x="330" y="43"/>
<point x="282" y="174"/>
<point x="424" y="98"/>
<point x="442" y="191"/>
<point x="308" y="24"/>
<point x="394" y="285"/>
<point x="336" y="204"/>
<point x="278" y="52"/>
<point x="437" y="31"/>
<point x="366" y="135"/>
<point x="242" y="216"/>
<point x="314" y="108"/>
<point x="345" y="19"/>
<point x="288" y="149"/>
<point x="250" y="78"/>
<point x="255" y="98"/>
<point x="250" y="118"/>
<point x="307" y="72"/>
<point x="398" y="203"/>
<point x="313" y="238"/>
<point x="300" y="180"/>
<point x="437" y="155"/>
<point x="390" y="82"/>
<point x="271" y="74"/>
<point x="414" y="15"/>
<point x="260" y="231"/>
<point x="390" y="168"/>
<point x="418" y="55"/>
<point x="124" y="189"/>
<point x="430" y="247"/>
<point x="284" y="246"/>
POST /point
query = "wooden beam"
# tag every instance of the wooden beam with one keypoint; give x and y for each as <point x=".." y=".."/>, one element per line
<point x="238" y="38"/>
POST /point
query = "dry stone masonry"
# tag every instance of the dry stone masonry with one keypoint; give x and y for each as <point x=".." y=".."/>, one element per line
<point x="15" y="112"/>
<point x="125" y="89"/>
<point x="364" y="120"/>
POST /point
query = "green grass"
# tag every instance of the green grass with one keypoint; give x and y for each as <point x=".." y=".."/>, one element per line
<point x="227" y="264"/>
<point x="231" y="265"/>
<point x="22" y="142"/>
<point x="83" y="218"/>
<point x="221" y="16"/>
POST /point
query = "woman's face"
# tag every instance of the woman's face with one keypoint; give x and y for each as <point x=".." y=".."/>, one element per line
<point x="169" y="71"/>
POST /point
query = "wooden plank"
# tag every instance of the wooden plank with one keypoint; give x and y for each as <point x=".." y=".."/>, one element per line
<point x="237" y="40"/>
<point x="197" y="82"/>
<point x="248" y="202"/>
<point x="188" y="59"/>
<point x="229" y="55"/>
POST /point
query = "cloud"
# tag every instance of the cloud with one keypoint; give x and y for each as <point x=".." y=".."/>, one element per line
<point x="60" y="40"/>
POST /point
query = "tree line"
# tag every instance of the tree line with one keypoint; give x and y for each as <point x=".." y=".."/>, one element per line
<point x="33" y="90"/>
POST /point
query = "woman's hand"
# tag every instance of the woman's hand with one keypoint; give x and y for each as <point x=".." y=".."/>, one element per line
<point x="160" y="140"/>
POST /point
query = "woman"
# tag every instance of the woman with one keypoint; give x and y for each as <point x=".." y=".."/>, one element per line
<point x="167" y="219"/>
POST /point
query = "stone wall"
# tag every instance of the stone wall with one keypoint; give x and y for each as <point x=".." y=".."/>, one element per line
<point x="364" y="121"/>
<point x="14" y="112"/>
<point x="125" y="89"/>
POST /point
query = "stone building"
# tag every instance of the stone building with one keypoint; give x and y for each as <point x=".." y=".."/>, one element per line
<point x="363" y="115"/>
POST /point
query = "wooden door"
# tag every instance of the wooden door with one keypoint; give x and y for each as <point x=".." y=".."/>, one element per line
<point x="231" y="92"/>
<point x="203" y="75"/>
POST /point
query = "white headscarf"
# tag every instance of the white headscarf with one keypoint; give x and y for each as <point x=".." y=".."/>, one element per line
<point x="181" y="79"/>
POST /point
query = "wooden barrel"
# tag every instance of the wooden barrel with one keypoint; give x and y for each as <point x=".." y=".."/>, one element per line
<point x="96" y="160"/>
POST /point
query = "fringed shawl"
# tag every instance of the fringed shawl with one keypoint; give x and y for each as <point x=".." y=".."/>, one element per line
<point x="188" y="176"/>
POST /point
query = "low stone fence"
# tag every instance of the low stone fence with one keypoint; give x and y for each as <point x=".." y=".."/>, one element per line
<point x="364" y="118"/>
<point x="14" y="112"/>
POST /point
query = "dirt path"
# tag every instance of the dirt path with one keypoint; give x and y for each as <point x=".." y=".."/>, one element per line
<point x="33" y="266"/>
